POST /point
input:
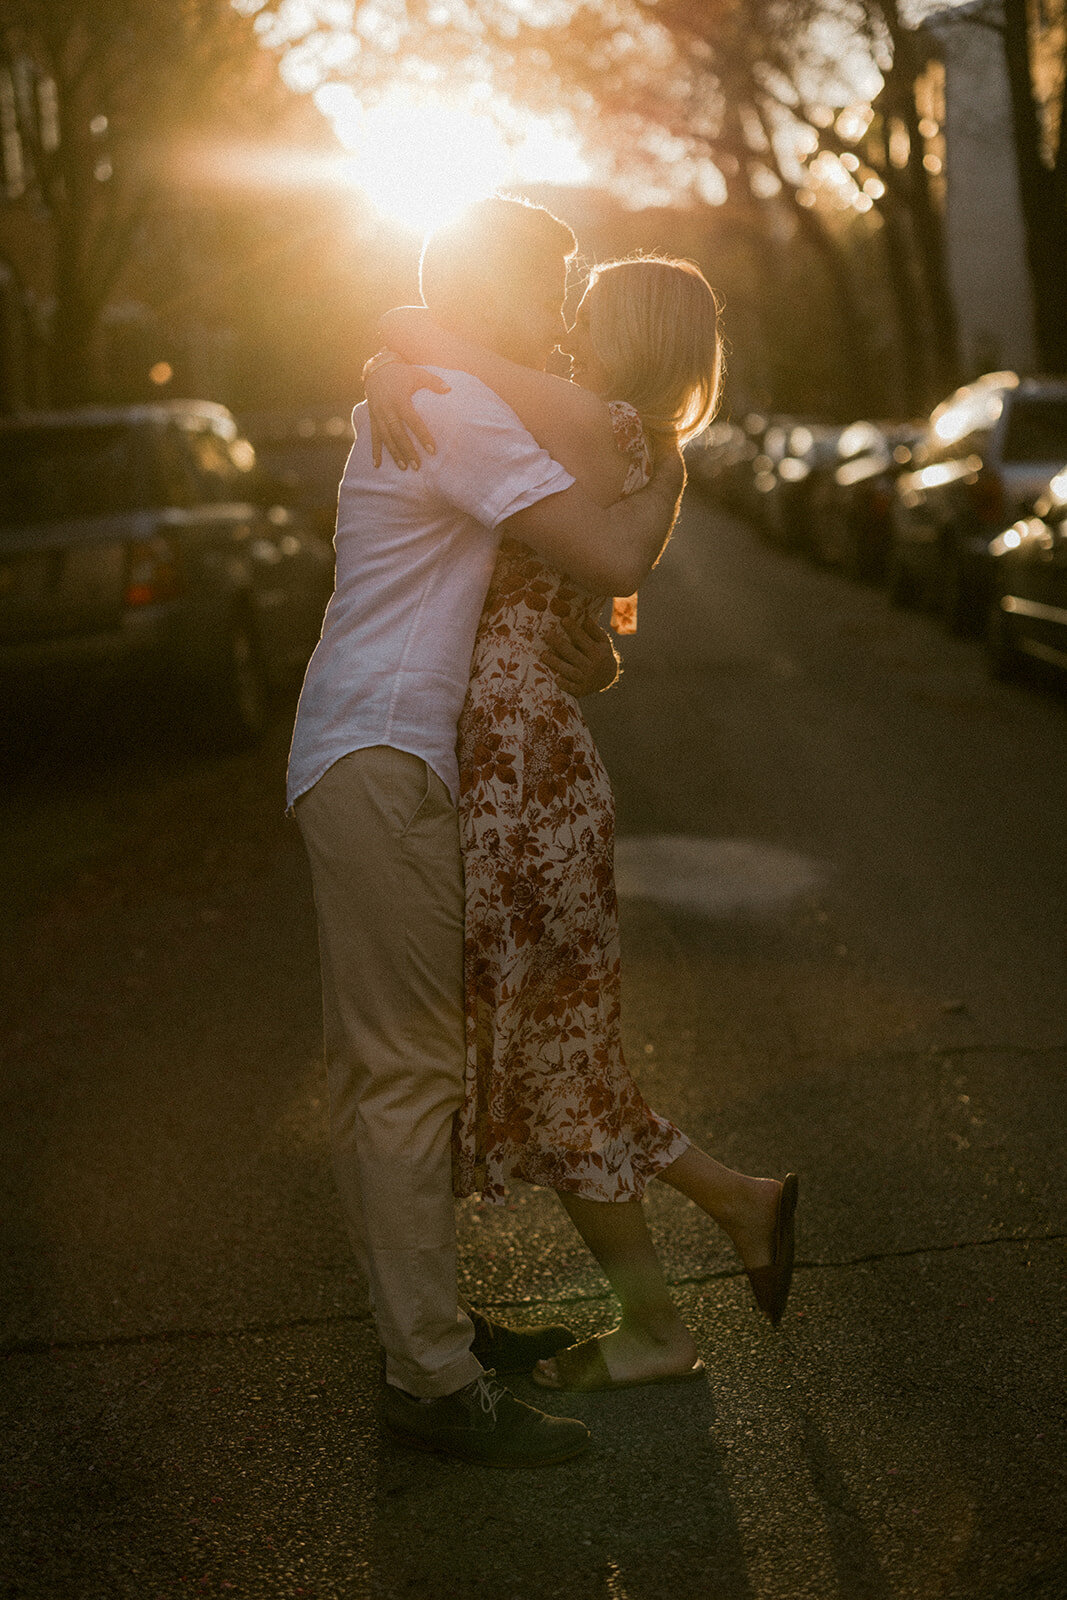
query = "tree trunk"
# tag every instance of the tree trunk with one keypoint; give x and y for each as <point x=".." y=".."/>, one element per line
<point x="924" y="214"/>
<point x="862" y="392"/>
<point x="77" y="308"/>
<point x="857" y="366"/>
<point x="1041" y="197"/>
<point x="912" y="318"/>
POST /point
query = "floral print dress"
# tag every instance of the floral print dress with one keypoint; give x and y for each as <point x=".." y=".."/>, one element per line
<point x="549" y="1099"/>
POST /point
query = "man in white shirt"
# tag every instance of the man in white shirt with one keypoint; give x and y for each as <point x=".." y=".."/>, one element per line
<point x="373" y="780"/>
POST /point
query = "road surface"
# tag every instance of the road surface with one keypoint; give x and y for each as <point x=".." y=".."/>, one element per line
<point x="843" y="855"/>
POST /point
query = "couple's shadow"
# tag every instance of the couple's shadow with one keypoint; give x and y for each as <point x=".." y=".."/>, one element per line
<point x="645" y="1514"/>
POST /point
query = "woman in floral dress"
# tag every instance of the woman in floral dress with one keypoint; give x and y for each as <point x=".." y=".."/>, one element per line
<point x="549" y="1099"/>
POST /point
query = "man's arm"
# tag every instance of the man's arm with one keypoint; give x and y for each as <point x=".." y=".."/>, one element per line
<point x="607" y="549"/>
<point x="571" y="423"/>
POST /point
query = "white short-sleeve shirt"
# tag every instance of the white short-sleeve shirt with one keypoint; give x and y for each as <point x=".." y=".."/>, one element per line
<point x="415" y="552"/>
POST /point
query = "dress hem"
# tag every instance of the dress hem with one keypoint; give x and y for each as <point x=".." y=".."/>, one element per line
<point x="496" y="1193"/>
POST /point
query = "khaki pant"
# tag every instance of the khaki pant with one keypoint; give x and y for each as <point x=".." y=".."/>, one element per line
<point x="383" y="842"/>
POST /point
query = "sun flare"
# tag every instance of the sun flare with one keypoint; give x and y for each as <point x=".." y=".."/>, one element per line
<point x="421" y="160"/>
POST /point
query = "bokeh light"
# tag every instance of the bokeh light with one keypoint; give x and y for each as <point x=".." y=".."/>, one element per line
<point x="421" y="158"/>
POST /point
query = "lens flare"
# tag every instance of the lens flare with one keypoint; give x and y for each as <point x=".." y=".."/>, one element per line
<point x="421" y="160"/>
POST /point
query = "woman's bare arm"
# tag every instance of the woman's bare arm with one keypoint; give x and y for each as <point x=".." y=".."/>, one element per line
<point x="571" y="423"/>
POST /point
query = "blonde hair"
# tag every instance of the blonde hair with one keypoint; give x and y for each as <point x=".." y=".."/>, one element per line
<point x="654" y="328"/>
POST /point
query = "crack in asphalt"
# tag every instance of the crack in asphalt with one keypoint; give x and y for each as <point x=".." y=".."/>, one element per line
<point x="248" y="1330"/>
<point x="897" y="1255"/>
<point x="44" y="1347"/>
<point x="928" y="1052"/>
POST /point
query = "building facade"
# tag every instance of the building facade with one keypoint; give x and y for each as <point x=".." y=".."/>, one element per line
<point x="984" y="239"/>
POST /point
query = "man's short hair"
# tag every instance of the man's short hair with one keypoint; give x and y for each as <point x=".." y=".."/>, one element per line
<point x="493" y="243"/>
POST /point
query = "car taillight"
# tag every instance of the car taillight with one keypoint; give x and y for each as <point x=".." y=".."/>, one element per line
<point x="989" y="500"/>
<point x="152" y="573"/>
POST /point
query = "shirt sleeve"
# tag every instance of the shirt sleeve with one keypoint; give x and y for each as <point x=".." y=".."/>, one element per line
<point x="486" y="463"/>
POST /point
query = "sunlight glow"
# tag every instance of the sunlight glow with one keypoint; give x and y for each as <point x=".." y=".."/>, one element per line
<point x="852" y="123"/>
<point x="976" y="409"/>
<point x="420" y="158"/>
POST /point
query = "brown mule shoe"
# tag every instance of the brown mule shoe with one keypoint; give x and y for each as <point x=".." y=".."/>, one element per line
<point x="770" y="1284"/>
<point x="582" y="1368"/>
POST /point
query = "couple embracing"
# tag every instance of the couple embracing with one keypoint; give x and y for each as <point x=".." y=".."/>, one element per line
<point x="459" y="823"/>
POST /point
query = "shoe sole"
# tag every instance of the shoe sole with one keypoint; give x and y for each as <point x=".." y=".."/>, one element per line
<point x="416" y="1441"/>
<point x="786" y="1232"/>
<point x="693" y="1374"/>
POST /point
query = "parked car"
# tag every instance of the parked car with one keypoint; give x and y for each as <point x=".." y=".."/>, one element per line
<point x="744" y="479"/>
<point x="851" y="504"/>
<point x="1028" y="610"/>
<point x="772" y="444"/>
<point x="719" y="459"/>
<point x="305" y="453"/>
<point x="984" y="457"/>
<point x="793" y="468"/>
<point x="138" y="544"/>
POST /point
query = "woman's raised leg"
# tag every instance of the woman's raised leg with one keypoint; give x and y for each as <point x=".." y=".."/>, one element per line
<point x="757" y="1213"/>
<point x="745" y="1208"/>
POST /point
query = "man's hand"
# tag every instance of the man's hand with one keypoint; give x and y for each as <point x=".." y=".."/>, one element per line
<point x="581" y="658"/>
<point x="394" y="421"/>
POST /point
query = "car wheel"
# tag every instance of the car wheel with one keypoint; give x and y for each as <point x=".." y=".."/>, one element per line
<point x="239" y="700"/>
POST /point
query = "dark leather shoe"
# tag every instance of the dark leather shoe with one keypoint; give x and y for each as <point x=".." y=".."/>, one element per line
<point x="512" y="1350"/>
<point x="485" y="1423"/>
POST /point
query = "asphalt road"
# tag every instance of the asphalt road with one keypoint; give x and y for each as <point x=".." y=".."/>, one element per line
<point x="844" y="856"/>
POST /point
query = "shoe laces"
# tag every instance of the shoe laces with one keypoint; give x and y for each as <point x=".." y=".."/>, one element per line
<point x="488" y="1392"/>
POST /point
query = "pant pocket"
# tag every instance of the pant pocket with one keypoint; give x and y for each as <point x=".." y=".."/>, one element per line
<point x="415" y="798"/>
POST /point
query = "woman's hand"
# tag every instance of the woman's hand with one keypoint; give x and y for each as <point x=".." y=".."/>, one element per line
<point x="581" y="658"/>
<point x="394" y="421"/>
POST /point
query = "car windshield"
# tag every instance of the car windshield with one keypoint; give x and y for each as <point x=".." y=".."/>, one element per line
<point x="1037" y="429"/>
<point x="88" y="470"/>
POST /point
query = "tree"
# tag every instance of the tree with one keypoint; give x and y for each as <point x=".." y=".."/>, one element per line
<point x="790" y="84"/>
<point x="889" y="155"/>
<point x="100" y="96"/>
<point x="734" y="92"/>
<point x="697" y="89"/>
<point x="1035" y="51"/>
<point x="753" y="84"/>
